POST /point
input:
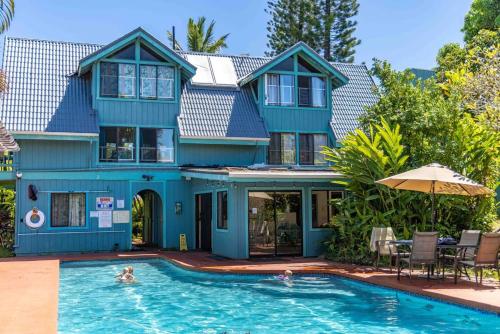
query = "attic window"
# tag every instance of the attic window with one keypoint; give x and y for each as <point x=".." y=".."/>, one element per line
<point x="285" y="65"/>
<point x="127" y="53"/>
<point x="149" y="55"/>
<point x="304" y="66"/>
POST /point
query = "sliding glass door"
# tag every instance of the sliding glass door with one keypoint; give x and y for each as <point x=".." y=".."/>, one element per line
<point x="275" y="223"/>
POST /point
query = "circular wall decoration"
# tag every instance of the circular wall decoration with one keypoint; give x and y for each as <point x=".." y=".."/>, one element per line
<point x="34" y="218"/>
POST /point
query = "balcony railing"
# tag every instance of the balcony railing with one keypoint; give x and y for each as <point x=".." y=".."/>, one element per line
<point x="116" y="154"/>
<point x="153" y="154"/>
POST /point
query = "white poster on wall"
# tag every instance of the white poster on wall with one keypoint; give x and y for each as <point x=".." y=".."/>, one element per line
<point x="105" y="219"/>
<point x="104" y="203"/>
<point x="120" y="203"/>
<point x="121" y="216"/>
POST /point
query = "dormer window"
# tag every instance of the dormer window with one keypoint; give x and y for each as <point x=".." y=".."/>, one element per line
<point x="295" y="76"/>
<point x="118" y="75"/>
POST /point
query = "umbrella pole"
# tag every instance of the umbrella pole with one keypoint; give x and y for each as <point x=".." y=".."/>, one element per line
<point x="433" y="218"/>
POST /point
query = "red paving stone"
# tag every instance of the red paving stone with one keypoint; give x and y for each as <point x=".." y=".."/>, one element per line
<point x="30" y="284"/>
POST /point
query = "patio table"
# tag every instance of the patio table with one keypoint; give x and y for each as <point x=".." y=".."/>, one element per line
<point x="441" y="248"/>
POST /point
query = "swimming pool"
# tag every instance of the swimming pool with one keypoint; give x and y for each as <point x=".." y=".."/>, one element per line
<point x="169" y="299"/>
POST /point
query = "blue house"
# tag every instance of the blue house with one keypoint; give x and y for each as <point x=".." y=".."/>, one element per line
<point x="224" y="150"/>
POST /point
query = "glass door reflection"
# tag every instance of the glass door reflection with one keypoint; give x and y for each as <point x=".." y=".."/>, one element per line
<point x="275" y="223"/>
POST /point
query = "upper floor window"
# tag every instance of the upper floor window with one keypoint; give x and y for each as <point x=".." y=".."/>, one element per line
<point x="296" y="71"/>
<point x="116" y="144"/>
<point x="280" y="89"/>
<point x="312" y="91"/>
<point x="157" y="82"/>
<point x="310" y="146"/>
<point x="157" y="145"/>
<point x="118" y="75"/>
<point x="118" y="80"/>
<point x="282" y="149"/>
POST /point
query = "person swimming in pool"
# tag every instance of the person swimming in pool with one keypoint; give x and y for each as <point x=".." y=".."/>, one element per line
<point x="127" y="276"/>
<point x="286" y="276"/>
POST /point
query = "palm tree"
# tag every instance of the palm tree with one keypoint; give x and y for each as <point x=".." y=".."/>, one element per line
<point x="199" y="40"/>
<point x="6" y="15"/>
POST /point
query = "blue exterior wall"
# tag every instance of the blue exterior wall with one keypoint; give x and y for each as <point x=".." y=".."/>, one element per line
<point x="91" y="238"/>
<point x="221" y="155"/>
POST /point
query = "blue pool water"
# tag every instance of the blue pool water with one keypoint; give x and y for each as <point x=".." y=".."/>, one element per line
<point x="168" y="299"/>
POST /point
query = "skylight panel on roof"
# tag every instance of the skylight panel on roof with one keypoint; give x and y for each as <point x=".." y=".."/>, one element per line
<point x="203" y="74"/>
<point x="223" y="70"/>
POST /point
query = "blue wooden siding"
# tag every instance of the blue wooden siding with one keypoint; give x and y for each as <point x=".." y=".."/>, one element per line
<point x="90" y="237"/>
<point x="137" y="113"/>
<point x="53" y="154"/>
<point x="221" y="155"/>
<point x="283" y="119"/>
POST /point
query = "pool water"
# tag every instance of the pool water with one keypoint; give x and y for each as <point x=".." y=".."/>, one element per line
<point x="168" y="299"/>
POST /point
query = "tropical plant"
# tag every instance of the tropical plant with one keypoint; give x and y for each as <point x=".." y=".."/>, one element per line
<point x="199" y="39"/>
<point x="367" y="156"/>
<point x="7" y="214"/>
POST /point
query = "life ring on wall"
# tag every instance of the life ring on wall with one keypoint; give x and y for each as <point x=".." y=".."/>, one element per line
<point x="34" y="218"/>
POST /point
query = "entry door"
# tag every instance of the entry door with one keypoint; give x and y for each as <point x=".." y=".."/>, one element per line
<point x="204" y="221"/>
<point x="275" y="223"/>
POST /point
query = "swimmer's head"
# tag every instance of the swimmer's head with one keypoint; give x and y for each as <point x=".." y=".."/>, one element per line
<point x="288" y="273"/>
<point x="130" y="269"/>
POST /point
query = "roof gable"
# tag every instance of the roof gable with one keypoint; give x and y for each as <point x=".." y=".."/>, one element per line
<point x="139" y="33"/>
<point x="297" y="48"/>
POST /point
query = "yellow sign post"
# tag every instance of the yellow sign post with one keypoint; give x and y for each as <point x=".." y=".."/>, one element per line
<point x="182" y="242"/>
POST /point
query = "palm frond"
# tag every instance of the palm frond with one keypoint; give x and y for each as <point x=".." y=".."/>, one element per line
<point x="6" y="14"/>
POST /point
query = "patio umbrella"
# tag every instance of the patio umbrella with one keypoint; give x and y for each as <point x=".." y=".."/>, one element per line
<point x="435" y="179"/>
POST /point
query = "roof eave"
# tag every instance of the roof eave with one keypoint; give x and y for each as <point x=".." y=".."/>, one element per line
<point x="300" y="46"/>
<point x="86" y="62"/>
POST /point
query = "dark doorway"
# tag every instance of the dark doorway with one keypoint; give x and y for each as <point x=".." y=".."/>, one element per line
<point x="274" y="223"/>
<point x="204" y="221"/>
<point x="147" y="219"/>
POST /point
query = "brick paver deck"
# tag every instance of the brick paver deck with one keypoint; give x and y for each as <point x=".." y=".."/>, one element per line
<point x="30" y="285"/>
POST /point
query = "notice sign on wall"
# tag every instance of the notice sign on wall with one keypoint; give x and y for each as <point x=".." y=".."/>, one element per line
<point x="105" y="219"/>
<point x="104" y="203"/>
<point x="121" y="217"/>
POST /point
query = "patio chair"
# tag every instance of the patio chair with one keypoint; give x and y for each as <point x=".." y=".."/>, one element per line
<point x="468" y="237"/>
<point x="380" y="243"/>
<point x="486" y="257"/>
<point x="423" y="252"/>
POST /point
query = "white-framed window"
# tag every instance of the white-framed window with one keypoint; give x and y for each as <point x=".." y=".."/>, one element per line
<point x="67" y="209"/>
<point x="280" y="89"/>
<point x="157" y="82"/>
<point x="126" y="80"/>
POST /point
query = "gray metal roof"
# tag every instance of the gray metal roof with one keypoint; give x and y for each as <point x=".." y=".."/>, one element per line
<point x="349" y="101"/>
<point x="221" y="111"/>
<point x="44" y="94"/>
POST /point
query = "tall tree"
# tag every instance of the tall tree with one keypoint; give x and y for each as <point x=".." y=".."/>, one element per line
<point x="483" y="14"/>
<point x="325" y="25"/>
<point x="199" y="39"/>
<point x="6" y="15"/>
<point x="292" y="21"/>
<point x="343" y="31"/>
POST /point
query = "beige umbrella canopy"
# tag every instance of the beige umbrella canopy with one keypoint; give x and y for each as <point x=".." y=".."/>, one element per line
<point x="435" y="179"/>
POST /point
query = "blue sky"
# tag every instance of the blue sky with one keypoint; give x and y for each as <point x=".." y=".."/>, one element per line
<point x="408" y="33"/>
